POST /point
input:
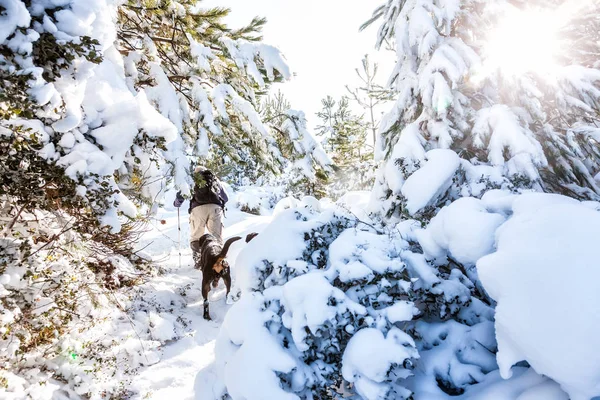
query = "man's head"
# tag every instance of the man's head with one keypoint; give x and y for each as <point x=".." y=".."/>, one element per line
<point x="202" y="175"/>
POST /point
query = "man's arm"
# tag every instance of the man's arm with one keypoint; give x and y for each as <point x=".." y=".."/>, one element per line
<point x="223" y="195"/>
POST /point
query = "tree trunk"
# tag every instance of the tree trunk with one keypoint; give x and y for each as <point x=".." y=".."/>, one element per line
<point x="371" y="106"/>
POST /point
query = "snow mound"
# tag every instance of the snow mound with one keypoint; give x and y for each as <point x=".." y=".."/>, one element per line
<point x="290" y="245"/>
<point x="244" y="335"/>
<point x="463" y="230"/>
<point x="524" y="385"/>
<point x="432" y="180"/>
<point x="257" y="200"/>
<point x="355" y="255"/>
<point x="356" y="202"/>
<point x="545" y="277"/>
<point x="369" y="356"/>
<point x="310" y="301"/>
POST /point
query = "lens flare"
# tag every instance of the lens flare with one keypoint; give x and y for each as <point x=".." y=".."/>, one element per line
<point x="524" y="41"/>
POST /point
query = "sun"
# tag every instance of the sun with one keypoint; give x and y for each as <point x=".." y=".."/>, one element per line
<point x="524" y="41"/>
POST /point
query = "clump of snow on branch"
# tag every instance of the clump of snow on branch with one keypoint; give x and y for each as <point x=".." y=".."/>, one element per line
<point x="245" y="54"/>
<point x="305" y="144"/>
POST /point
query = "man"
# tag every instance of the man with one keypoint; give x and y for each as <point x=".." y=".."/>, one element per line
<point x="206" y="204"/>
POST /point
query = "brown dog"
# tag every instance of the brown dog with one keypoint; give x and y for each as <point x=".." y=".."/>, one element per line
<point x="210" y="257"/>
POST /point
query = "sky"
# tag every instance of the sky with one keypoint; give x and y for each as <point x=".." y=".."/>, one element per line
<point x="320" y="40"/>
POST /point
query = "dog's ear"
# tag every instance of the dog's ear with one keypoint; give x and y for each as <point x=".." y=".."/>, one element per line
<point x="251" y="236"/>
<point x="227" y="244"/>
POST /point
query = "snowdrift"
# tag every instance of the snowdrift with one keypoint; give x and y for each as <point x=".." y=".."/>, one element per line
<point x="441" y="311"/>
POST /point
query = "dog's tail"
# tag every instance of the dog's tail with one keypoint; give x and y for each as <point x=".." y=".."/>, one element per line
<point x="228" y="244"/>
<point x="251" y="236"/>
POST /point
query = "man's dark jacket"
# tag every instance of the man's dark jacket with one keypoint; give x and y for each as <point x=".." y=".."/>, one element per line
<point x="202" y="197"/>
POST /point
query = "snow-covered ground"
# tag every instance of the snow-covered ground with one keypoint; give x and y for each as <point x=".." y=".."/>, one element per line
<point x="190" y="362"/>
<point x="185" y="369"/>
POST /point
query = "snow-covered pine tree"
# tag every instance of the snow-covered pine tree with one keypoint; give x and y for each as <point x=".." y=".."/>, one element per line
<point x="208" y="80"/>
<point x="370" y="95"/>
<point x="309" y="174"/>
<point x="344" y="136"/>
<point x="570" y="103"/>
<point x="205" y="77"/>
<point x="76" y="149"/>
<point x="273" y="109"/>
<point x="304" y="164"/>
<point x="516" y="132"/>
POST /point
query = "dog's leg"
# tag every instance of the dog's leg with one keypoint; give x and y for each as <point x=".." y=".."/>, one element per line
<point x="205" y="290"/>
<point x="227" y="280"/>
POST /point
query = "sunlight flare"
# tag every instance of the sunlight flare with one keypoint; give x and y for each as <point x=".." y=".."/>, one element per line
<point x="524" y="41"/>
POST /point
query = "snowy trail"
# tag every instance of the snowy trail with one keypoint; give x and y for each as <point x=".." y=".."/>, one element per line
<point x="185" y="368"/>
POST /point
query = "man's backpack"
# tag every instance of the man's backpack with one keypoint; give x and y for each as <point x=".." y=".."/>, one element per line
<point x="207" y="189"/>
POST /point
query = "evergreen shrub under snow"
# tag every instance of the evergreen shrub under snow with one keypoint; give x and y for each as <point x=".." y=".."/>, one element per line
<point x="338" y="303"/>
<point x="339" y="308"/>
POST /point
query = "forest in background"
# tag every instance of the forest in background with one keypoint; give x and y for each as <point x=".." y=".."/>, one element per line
<point x="467" y="256"/>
